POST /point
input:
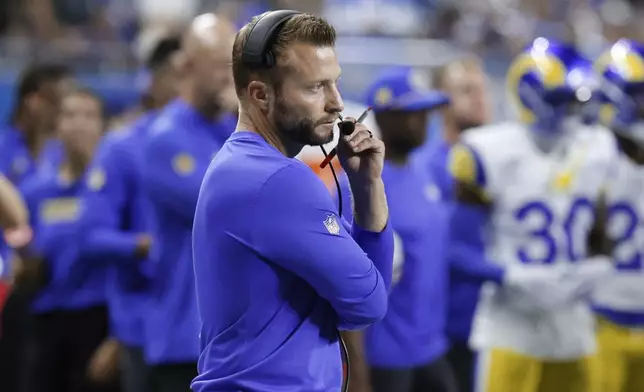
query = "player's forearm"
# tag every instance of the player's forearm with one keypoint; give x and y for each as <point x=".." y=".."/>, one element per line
<point x="113" y="246"/>
<point x="370" y="210"/>
<point x="469" y="263"/>
<point x="13" y="212"/>
<point x="358" y="369"/>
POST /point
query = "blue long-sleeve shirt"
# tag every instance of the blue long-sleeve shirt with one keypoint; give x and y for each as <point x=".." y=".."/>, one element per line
<point x="17" y="164"/>
<point x="413" y="331"/>
<point x="76" y="281"/>
<point x="114" y="212"/>
<point x="278" y="274"/>
<point x="179" y="146"/>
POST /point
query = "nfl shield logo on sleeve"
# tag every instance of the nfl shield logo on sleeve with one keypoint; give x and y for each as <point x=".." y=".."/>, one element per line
<point x="331" y="224"/>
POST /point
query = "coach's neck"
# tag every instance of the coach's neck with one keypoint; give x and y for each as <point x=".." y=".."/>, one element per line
<point x="253" y="120"/>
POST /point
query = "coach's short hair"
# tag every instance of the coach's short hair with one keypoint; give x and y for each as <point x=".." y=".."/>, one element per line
<point x="301" y="28"/>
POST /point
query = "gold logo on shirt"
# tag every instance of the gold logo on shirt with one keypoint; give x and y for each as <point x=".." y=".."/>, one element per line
<point x="96" y="179"/>
<point x="563" y="181"/>
<point x="183" y="164"/>
<point x="58" y="210"/>
<point x="383" y="96"/>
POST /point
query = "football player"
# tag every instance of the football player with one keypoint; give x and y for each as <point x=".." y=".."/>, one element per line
<point x="535" y="186"/>
<point x="619" y="301"/>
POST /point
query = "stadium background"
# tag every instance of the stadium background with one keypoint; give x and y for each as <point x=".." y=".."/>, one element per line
<point x="103" y="40"/>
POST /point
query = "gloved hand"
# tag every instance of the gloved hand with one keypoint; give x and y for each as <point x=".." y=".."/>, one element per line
<point x="582" y="277"/>
<point x="535" y="288"/>
<point x="551" y="288"/>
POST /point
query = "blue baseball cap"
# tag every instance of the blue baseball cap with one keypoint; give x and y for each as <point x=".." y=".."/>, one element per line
<point x="403" y="88"/>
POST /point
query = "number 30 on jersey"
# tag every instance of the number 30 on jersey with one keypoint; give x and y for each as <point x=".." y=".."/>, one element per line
<point x="549" y="238"/>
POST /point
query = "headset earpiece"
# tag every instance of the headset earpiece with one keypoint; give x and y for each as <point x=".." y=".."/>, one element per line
<point x="257" y="50"/>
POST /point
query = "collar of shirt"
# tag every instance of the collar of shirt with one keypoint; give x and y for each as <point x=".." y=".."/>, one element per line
<point x="256" y="138"/>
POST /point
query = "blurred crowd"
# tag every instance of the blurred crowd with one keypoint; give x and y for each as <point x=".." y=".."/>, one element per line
<point x="83" y="30"/>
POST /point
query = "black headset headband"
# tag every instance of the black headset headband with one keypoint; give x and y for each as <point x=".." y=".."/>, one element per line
<point x="257" y="50"/>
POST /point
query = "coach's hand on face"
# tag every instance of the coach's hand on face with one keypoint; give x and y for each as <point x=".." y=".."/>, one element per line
<point x="361" y="155"/>
<point x="362" y="158"/>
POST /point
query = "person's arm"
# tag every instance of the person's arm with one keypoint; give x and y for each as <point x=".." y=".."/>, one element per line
<point x="104" y="196"/>
<point x="380" y="257"/>
<point x="469" y="216"/>
<point x="599" y="243"/>
<point x="295" y="225"/>
<point x="359" y="379"/>
<point x="466" y="253"/>
<point x="172" y="174"/>
<point x="28" y="269"/>
<point x="13" y="211"/>
<point x="370" y="210"/>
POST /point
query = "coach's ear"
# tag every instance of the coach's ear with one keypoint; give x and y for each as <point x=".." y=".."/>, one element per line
<point x="259" y="94"/>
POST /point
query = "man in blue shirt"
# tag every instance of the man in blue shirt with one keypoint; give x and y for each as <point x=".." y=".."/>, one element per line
<point x="69" y="287"/>
<point x="278" y="273"/>
<point x="114" y="226"/>
<point x="178" y="147"/>
<point x="25" y="145"/>
<point x="464" y="82"/>
<point x="405" y="351"/>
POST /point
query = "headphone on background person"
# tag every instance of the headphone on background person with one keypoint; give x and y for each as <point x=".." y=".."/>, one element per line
<point x="257" y="53"/>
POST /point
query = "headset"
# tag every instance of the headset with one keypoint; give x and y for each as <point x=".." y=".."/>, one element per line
<point x="257" y="53"/>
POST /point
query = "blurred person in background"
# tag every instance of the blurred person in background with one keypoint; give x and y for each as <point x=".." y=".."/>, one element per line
<point x="68" y="286"/>
<point x="405" y="351"/>
<point x="27" y="145"/>
<point x="619" y="301"/>
<point x="26" y="141"/>
<point x="163" y="75"/>
<point x="160" y="80"/>
<point x="528" y="193"/>
<point x="114" y="226"/>
<point x="464" y="81"/>
<point x="181" y="141"/>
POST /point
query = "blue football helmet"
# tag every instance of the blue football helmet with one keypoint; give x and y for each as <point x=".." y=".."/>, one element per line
<point x="621" y="75"/>
<point x="551" y="82"/>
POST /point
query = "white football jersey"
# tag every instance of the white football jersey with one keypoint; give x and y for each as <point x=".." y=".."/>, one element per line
<point x="543" y="208"/>
<point x="625" y="200"/>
